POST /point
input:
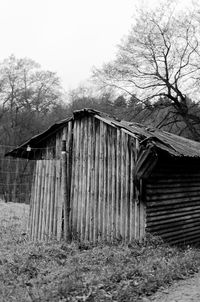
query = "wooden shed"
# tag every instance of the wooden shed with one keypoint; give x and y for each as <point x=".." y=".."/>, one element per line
<point x="98" y="178"/>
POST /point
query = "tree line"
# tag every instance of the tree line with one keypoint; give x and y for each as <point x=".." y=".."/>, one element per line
<point x="154" y="80"/>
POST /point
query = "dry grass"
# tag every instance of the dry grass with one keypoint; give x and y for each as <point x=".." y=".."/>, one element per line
<point x="14" y="211"/>
<point x="13" y="223"/>
<point x="73" y="272"/>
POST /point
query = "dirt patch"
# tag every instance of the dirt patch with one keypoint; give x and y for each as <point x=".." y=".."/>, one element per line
<point x="187" y="290"/>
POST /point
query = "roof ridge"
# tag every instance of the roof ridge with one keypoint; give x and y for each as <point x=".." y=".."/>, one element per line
<point x="169" y="142"/>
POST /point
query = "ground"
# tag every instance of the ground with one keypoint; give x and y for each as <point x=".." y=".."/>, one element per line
<point x="75" y="272"/>
<point x="187" y="290"/>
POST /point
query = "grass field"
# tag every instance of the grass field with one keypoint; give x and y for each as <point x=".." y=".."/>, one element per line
<point x="73" y="272"/>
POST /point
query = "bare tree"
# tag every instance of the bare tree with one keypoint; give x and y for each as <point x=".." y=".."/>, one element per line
<point x="160" y="58"/>
<point x="27" y="95"/>
<point x="25" y="85"/>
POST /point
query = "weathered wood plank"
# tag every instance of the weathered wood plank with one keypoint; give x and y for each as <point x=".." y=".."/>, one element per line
<point x="113" y="184"/>
<point x="164" y="191"/>
<point x="69" y="170"/>
<point x="109" y="184"/>
<point x="33" y="200"/>
<point x="171" y="215"/>
<point x="118" y="184"/>
<point x="81" y="205"/>
<point x="96" y="181"/>
<point x="142" y="211"/>
<point x="41" y="198"/>
<point x="77" y="177"/>
<point x="131" y="200"/>
<point x="180" y="229"/>
<point x="173" y="201"/>
<point x="122" y="162"/>
<point x="105" y="171"/>
<point x="65" y="188"/>
<point x="101" y="182"/>
<point x="174" y="185"/>
<point x="178" y="211"/>
<point x="172" y="220"/>
<point x="59" y="211"/>
<point x="74" y="177"/>
<point x="33" y="221"/>
<point x="51" y="200"/>
<point x="126" y="189"/>
<point x="32" y="206"/>
<point x="191" y="238"/>
<point x="91" y="189"/>
<point x="173" y="224"/>
<point x="88" y="177"/>
<point x="47" y="199"/>
<point x="36" y="212"/>
<point x="171" y="207"/>
<point x="54" y="208"/>
<point x="44" y="218"/>
<point x="166" y="199"/>
<point x="163" y="178"/>
<point x="83" y="147"/>
<point x="182" y="235"/>
<point x="92" y="179"/>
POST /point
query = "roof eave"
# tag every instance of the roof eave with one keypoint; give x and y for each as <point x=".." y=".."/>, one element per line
<point x="35" y="141"/>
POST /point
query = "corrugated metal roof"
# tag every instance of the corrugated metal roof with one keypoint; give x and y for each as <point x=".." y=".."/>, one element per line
<point x="173" y="144"/>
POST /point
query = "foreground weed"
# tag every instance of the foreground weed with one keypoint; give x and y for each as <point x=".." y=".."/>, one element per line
<point x="56" y="271"/>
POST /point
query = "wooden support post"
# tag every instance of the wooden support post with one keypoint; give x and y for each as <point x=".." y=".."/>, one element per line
<point x="67" y="235"/>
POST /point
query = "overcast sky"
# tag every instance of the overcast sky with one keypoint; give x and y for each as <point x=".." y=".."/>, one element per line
<point x="65" y="36"/>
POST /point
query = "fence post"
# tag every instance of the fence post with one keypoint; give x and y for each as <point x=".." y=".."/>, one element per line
<point x="66" y="201"/>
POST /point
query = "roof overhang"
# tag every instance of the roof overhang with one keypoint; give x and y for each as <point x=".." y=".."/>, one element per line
<point x="169" y="143"/>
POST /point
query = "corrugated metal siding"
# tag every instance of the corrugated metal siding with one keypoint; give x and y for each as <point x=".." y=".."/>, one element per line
<point x="103" y="206"/>
<point x="173" y="201"/>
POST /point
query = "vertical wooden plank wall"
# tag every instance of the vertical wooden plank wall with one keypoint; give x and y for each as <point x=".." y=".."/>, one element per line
<point x="46" y="211"/>
<point x="103" y="203"/>
<point x="100" y="183"/>
<point x="44" y="201"/>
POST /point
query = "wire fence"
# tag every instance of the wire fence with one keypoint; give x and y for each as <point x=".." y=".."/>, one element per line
<point x="15" y="177"/>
